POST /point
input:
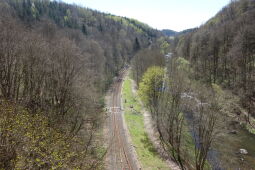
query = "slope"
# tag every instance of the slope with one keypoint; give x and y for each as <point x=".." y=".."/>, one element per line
<point x="56" y="62"/>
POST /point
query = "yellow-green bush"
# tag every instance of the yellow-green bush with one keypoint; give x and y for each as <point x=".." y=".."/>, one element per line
<point x="28" y="142"/>
<point x="151" y="84"/>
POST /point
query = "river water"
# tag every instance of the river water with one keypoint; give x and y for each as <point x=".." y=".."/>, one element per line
<point x="224" y="154"/>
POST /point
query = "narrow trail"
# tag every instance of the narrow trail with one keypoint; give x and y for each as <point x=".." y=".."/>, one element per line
<point x="120" y="155"/>
<point x="153" y="134"/>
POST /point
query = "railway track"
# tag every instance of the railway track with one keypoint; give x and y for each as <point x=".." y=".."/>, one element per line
<point x="120" y="156"/>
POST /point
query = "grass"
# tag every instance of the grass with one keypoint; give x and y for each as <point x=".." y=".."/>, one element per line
<point x="147" y="155"/>
<point x="251" y="128"/>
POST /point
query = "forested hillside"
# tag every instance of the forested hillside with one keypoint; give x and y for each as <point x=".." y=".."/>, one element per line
<point x="222" y="51"/>
<point x="167" y="32"/>
<point x="215" y="65"/>
<point x="56" y="62"/>
<point x="201" y="92"/>
<point x="197" y="87"/>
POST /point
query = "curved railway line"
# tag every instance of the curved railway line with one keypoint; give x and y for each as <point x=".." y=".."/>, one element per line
<point x="119" y="154"/>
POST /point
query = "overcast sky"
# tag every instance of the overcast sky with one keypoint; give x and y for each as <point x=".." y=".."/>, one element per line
<point x="161" y="14"/>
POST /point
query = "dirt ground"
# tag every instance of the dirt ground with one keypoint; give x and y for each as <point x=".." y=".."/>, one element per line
<point x="153" y="135"/>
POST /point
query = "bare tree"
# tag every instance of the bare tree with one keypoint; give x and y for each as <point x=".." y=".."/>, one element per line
<point x="204" y="128"/>
<point x="169" y="123"/>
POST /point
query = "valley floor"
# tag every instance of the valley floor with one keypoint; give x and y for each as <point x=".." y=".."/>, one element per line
<point x="120" y="154"/>
<point x="141" y="131"/>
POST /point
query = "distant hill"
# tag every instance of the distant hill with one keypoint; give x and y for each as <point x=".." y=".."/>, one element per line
<point x="187" y="31"/>
<point x="168" y="32"/>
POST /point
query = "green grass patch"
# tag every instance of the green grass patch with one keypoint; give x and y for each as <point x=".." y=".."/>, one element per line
<point x="147" y="154"/>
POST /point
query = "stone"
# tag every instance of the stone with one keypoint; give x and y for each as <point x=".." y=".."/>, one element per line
<point x="243" y="151"/>
<point x="233" y="132"/>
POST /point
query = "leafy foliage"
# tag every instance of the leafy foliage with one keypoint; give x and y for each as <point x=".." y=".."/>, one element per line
<point x="151" y="84"/>
<point x="56" y="61"/>
<point x="147" y="154"/>
<point x="222" y="51"/>
<point x="28" y="142"/>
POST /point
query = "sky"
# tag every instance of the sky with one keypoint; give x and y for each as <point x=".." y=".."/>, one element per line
<point x="177" y="15"/>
